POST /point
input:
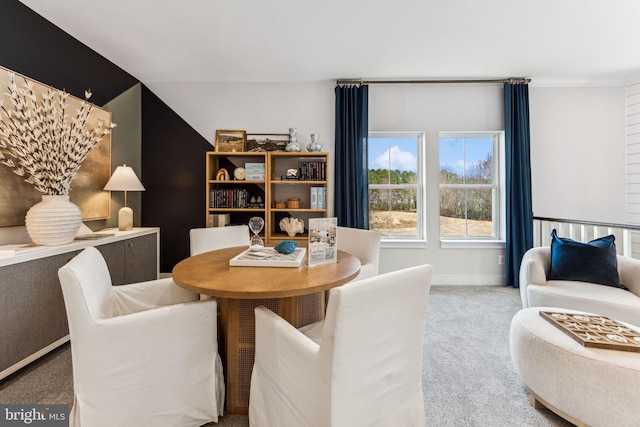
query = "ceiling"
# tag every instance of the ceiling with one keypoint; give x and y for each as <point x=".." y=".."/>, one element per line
<point x="583" y="41"/>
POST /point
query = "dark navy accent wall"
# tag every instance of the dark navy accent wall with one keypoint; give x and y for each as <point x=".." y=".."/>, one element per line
<point x="33" y="46"/>
<point x="172" y="152"/>
<point x="173" y="164"/>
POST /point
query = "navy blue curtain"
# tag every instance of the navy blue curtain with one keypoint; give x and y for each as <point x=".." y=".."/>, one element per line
<point x="351" y="201"/>
<point x="518" y="179"/>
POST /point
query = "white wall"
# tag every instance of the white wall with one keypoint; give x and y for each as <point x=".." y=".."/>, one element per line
<point x="576" y="138"/>
<point x="577" y="153"/>
<point x="632" y="143"/>
<point x="430" y="109"/>
<point x="254" y="107"/>
<point x="257" y="108"/>
<point x="632" y="157"/>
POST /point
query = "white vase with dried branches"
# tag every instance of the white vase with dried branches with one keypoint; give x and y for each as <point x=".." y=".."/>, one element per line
<point x="46" y="146"/>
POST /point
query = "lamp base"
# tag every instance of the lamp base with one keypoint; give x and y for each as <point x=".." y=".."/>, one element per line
<point x="125" y="219"/>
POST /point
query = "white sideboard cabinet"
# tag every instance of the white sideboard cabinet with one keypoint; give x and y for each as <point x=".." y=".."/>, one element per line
<point x="33" y="319"/>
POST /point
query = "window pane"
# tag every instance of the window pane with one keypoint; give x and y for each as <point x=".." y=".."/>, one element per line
<point x="452" y="203"/>
<point x="466" y="212"/>
<point x="403" y="213"/>
<point x="479" y="213"/>
<point x="478" y="160"/>
<point x="380" y="211"/>
<point x="393" y="160"/>
<point x="378" y="158"/>
<point x="451" y="160"/>
<point x="467" y="160"/>
<point x="393" y="212"/>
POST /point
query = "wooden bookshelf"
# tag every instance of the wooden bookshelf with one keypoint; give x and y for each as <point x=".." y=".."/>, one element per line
<point x="312" y="171"/>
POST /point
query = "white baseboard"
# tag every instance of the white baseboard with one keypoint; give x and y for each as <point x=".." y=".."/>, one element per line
<point x="468" y="279"/>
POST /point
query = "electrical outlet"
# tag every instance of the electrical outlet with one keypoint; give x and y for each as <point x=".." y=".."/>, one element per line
<point x="500" y="259"/>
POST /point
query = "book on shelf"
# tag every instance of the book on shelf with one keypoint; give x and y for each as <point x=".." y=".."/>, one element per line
<point x="254" y="166"/>
<point x="312" y="170"/>
<point x="19" y="249"/>
<point x="318" y="198"/>
<point x="229" y="198"/>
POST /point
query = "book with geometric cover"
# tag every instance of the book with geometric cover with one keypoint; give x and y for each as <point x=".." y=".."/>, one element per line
<point x="595" y="330"/>
<point x="268" y="257"/>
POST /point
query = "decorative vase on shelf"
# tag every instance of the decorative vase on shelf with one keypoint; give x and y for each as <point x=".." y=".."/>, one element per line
<point x="293" y="141"/>
<point x="53" y="221"/>
<point x="314" y="145"/>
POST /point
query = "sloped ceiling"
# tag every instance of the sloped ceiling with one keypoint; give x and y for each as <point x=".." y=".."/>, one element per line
<point x="589" y="41"/>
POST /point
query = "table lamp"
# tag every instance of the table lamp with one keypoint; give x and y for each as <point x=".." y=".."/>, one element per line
<point x="124" y="179"/>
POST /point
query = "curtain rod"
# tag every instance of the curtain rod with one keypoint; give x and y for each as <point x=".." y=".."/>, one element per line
<point x="512" y="80"/>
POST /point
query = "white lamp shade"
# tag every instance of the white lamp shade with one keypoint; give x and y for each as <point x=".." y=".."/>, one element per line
<point x="124" y="179"/>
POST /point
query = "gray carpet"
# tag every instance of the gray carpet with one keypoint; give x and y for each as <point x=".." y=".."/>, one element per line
<point x="469" y="379"/>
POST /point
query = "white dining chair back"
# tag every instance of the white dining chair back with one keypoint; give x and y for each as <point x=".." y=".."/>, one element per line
<point x="364" y="244"/>
<point x="212" y="238"/>
<point x="360" y="367"/>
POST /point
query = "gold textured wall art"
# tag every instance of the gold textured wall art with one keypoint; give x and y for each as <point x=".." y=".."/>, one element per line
<point x="17" y="196"/>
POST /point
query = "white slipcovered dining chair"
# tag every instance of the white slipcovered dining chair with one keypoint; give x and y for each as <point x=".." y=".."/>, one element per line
<point x="212" y="238"/>
<point x="360" y="366"/>
<point x="365" y="245"/>
<point x="144" y="354"/>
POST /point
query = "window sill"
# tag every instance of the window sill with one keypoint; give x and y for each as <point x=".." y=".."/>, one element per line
<point x="472" y="244"/>
<point x="402" y="244"/>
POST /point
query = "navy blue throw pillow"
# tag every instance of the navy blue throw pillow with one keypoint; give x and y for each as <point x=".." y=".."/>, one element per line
<point x="593" y="262"/>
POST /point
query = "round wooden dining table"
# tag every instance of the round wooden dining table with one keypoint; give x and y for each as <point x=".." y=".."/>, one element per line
<point x="294" y="293"/>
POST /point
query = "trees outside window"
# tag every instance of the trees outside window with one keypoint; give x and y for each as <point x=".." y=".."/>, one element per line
<point x="470" y="185"/>
<point x="396" y="207"/>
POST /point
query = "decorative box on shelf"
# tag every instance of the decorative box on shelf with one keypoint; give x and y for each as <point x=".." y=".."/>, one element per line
<point x="254" y="171"/>
<point x="219" y="220"/>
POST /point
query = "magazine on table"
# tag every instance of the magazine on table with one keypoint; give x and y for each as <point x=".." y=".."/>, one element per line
<point x="323" y="243"/>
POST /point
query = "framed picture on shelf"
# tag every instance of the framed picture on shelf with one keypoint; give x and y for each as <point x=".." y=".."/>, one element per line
<point x="266" y="141"/>
<point x="323" y="243"/>
<point x="230" y="141"/>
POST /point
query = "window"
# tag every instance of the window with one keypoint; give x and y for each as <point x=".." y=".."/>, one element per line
<point x="396" y="186"/>
<point x="471" y="206"/>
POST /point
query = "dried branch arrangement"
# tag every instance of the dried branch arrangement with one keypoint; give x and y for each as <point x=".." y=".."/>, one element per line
<point x="38" y="139"/>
